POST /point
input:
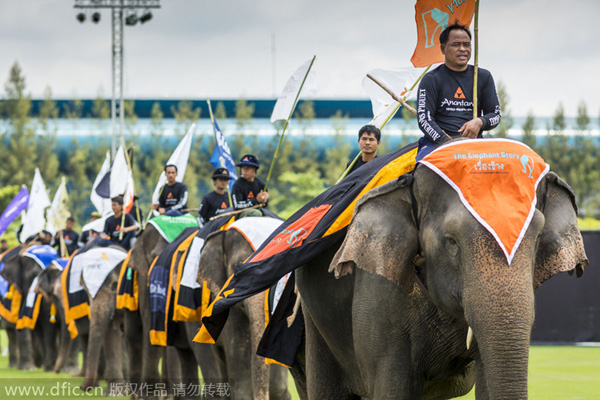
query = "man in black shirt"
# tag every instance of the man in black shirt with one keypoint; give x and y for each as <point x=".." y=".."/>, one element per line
<point x="90" y="234"/>
<point x="216" y="202"/>
<point x="113" y="228"/>
<point x="248" y="191"/>
<point x="69" y="236"/>
<point x="369" y="139"/>
<point x="173" y="195"/>
<point x="445" y="98"/>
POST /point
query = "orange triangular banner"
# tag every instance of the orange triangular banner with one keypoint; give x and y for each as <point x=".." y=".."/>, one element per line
<point x="496" y="180"/>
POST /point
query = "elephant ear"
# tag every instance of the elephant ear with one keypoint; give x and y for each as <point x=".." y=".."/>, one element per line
<point x="211" y="267"/>
<point x="560" y="246"/>
<point x="382" y="237"/>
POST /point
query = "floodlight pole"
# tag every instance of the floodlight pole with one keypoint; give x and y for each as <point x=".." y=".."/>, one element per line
<point x="117" y="7"/>
<point x="117" y="75"/>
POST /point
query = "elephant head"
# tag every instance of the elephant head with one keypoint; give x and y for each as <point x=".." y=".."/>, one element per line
<point x="465" y="273"/>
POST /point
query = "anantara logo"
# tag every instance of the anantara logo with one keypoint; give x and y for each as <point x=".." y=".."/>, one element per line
<point x="170" y="195"/>
<point x="223" y="205"/>
<point x="459" y="94"/>
<point x="251" y="195"/>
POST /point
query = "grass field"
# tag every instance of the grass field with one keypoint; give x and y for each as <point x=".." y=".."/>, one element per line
<point x="555" y="373"/>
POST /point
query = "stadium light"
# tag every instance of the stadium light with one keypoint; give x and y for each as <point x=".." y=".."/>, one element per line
<point x="123" y="13"/>
<point x="146" y="16"/>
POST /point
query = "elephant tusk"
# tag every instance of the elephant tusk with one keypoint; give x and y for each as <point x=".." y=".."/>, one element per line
<point x="469" y="337"/>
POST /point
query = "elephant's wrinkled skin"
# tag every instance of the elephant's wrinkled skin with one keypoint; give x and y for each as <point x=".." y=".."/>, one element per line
<point x="394" y="330"/>
<point x="250" y="377"/>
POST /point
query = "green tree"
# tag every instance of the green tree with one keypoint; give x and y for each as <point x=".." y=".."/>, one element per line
<point x="48" y="110"/>
<point x="506" y="121"/>
<point x="583" y="120"/>
<point x="73" y="109"/>
<point x="305" y="114"/>
<point x="220" y="112"/>
<point x="528" y="126"/>
<point x="243" y="113"/>
<point x="558" y="120"/>
<point x="186" y="115"/>
<point x="100" y="106"/>
<point x="156" y="119"/>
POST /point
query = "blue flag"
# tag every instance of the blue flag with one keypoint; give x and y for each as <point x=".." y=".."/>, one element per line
<point x="18" y="204"/>
<point x="221" y="156"/>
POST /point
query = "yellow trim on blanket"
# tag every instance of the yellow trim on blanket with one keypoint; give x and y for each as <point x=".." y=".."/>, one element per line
<point x="271" y="361"/>
<point x="400" y="166"/>
<point x="203" y="336"/>
<point x="29" y="323"/>
<point x="12" y="315"/>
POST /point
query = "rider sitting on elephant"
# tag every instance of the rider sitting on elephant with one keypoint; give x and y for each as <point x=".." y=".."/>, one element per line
<point x="113" y="228"/>
<point x="248" y="191"/>
<point x="445" y="97"/>
<point x="216" y="202"/>
<point x="173" y="195"/>
<point x="369" y="139"/>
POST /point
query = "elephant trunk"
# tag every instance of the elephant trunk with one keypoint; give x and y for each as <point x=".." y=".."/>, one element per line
<point x="499" y="308"/>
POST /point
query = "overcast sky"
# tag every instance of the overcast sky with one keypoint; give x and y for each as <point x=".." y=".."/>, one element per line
<point x="543" y="51"/>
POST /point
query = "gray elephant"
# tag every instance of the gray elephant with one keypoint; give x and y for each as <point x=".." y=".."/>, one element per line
<point x="250" y="376"/>
<point x="49" y="286"/>
<point x="396" y="326"/>
<point x="37" y="348"/>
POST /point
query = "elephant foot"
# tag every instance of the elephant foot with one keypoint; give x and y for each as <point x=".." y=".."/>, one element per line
<point x="80" y="373"/>
<point x="74" y="370"/>
<point x="12" y="364"/>
<point x="27" y="367"/>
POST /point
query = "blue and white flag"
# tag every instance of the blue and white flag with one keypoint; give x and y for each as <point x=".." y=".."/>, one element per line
<point x="221" y="156"/>
<point x="16" y="206"/>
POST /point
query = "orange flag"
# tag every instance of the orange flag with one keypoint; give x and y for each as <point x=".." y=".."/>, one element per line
<point x="432" y="17"/>
<point x="496" y="180"/>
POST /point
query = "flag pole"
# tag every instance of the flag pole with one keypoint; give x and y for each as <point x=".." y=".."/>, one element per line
<point x="128" y="166"/>
<point x="212" y="120"/>
<point x="287" y="121"/>
<point x="476" y="62"/>
<point x="401" y="102"/>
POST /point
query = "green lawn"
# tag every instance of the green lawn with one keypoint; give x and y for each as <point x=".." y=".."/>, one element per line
<point x="555" y="373"/>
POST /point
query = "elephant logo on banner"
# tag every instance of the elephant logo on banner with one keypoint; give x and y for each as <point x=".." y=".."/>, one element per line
<point x="437" y="20"/>
<point x="527" y="163"/>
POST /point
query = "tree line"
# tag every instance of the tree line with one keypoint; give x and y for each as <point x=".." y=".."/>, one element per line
<point x="305" y="167"/>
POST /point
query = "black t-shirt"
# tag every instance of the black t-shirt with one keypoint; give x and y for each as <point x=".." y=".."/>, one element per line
<point x="359" y="163"/>
<point x="112" y="225"/>
<point x="86" y="236"/>
<point x="213" y="204"/>
<point x="445" y="102"/>
<point x="244" y="193"/>
<point x="173" y="197"/>
<point x="71" y="238"/>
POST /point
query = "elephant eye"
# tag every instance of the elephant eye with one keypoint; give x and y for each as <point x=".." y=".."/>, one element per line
<point x="451" y="246"/>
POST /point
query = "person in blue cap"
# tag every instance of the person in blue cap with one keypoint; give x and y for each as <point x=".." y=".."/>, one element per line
<point x="248" y="191"/>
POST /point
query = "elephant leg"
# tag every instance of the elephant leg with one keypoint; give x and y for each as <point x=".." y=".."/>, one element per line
<point x="324" y="376"/>
<point x="64" y="349"/>
<point x="49" y="335"/>
<point x="211" y="364"/>
<point x="298" y="371"/>
<point x="189" y="368"/>
<point x="83" y="329"/>
<point x="25" y="344"/>
<point x="133" y="331"/>
<point x="278" y="383"/>
<point x="113" y="344"/>
<point x="151" y="354"/>
<point x="99" y="321"/>
<point x="260" y="370"/>
<point x="72" y="363"/>
<point x="238" y="354"/>
<point x="13" y="348"/>
<point x="173" y="366"/>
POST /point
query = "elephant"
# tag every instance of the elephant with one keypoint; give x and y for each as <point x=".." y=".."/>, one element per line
<point x="106" y="324"/>
<point x="39" y="347"/>
<point x="251" y="377"/>
<point x="49" y="286"/>
<point x="11" y="333"/>
<point x="382" y="322"/>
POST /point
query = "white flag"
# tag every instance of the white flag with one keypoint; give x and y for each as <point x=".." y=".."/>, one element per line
<point x="285" y="103"/>
<point x="34" y="221"/>
<point x="103" y="205"/>
<point x="179" y="158"/>
<point x="58" y="212"/>
<point x="399" y="81"/>
<point x="119" y="174"/>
